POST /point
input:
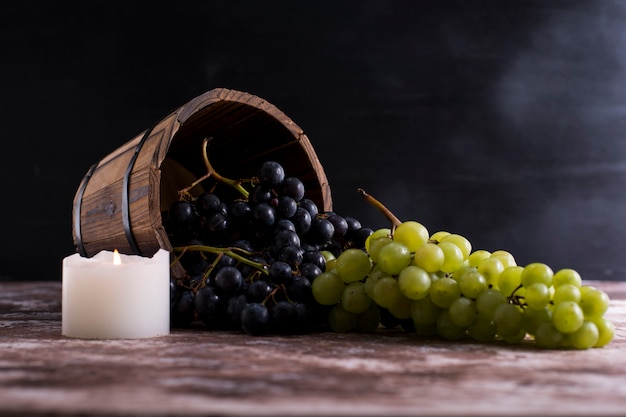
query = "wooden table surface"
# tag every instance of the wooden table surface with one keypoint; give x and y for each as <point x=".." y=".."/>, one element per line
<point x="210" y="373"/>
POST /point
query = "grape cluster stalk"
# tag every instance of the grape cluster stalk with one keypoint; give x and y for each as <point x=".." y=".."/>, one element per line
<point x="438" y="285"/>
<point x="251" y="254"/>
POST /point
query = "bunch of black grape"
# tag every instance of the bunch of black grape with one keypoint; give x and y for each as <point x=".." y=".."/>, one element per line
<point x="251" y="258"/>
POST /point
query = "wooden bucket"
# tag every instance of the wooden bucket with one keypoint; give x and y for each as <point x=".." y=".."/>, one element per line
<point x="119" y="202"/>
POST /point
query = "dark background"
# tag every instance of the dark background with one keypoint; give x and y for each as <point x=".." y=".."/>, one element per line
<point x="500" y="120"/>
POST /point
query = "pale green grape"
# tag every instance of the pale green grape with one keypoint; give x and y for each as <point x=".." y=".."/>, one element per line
<point x="594" y="303"/>
<point x="477" y="256"/>
<point x="394" y="257"/>
<point x="444" y="291"/>
<point x="537" y="272"/>
<point x="447" y="329"/>
<point x="411" y="234"/>
<point x="437" y="236"/>
<point x="429" y="257"/>
<point x="424" y="312"/>
<point x="585" y="337"/>
<point x="510" y="279"/>
<point x="355" y="299"/>
<point x="537" y="296"/>
<point x="375" y="274"/>
<point x="330" y="258"/>
<point x="567" y="276"/>
<point x="453" y="257"/>
<point x="508" y="320"/>
<point x="462" y="311"/>
<point x="567" y="317"/>
<point x="507" y="259"/>
<point x="414" y="282"/>
<point x="482" y="328"/>
<point x="386" y="292"/>
<point x="456" y="275"/>
<point x="548" y="337"/>
<point x="566" y="292"/>
<point x="402" y="309"/>
<point x="488" y="300"/>
<point x="382" y="232"/>
<point x="533" y="318"/>
<point x="327" y="288"/>
<point x="341" y="320"/>
<point x="491" y="268"/>
<point x="515" y="338"/>
<point x="472" y="283"/>
<point x="353" y="265"/>
<point x="606" y="331"/>
<point x="461" y="242"/>
<point x="369" y="320"/>
<point x="376" y="245"/>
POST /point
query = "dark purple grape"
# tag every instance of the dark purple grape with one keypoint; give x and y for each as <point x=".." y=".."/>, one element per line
<point x="225" y="260"/>
<point x="353" y="224"/>
<point x="305" y="317"/>
<point x="321" y="231"/>
<point x="315" y="257"/>
<point x="234" y="307"/>
<point x="280" y="272"/>
<point x="255" y="319"/>
<point x="182" y="216"/>
<point x="293" y="187"/>
<point x="217" y="223"/>
<point x="291" y="255"/>
<point x="310" y="206"/>
<point x="299" y="289"/>
<point x="340" y="224"/>
<point x="264" y="215"/>
<point x="208" y="204"/>
<point x="283" y="317"/>
<point x="310" y="271"/>
<point x="361" y="236"/>
<point x="302" y="220"/>
<point x="260" y="194"/>
<point x="248" y="270"/>
<point x="228" y="279"/>
<point x="183" y="312"/>
<point x="271" y="174"/>
<point x="284" y="224"/>
<point x="284" y="238"/>
<point x="240" y="211"/>
<point x="209" y="306"/>
<point x="258" y="291"/>
<point x="286" y="207"/>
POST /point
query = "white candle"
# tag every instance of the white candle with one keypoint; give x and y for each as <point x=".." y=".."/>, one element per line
<point x="105" y="300"/>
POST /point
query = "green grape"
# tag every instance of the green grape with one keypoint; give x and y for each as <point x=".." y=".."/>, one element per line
<point x="330" y="258"/>
<point x="394" y="257"/>
<point x="462" y="311"/>
<point x="585" y="337"/>
<point x="505" y="257"/>
<point x="548" y="337"/>
<point x="327" y="288"/>
<point x="594" y="303"/>
<point x="383" y="232"/>
<point x="340" y="320"/>
<point x="537" y="273"/>
<point x="444" y="291"/>
<point x="437" y="236"/>
<point x="567" y="276"/>
<point x="533" y="318"/>
<point x="515" y="338"/>
<point x="369" y="320"/>
<point x="453" y="257"/>
<point x="375" y="274"/>
<point x="456" y="275"/>
<point x="537" y="296"/>
<point x="567" y="317"/>
<point x="477" y="256"/>
<point x="429" y="257"/>
<point x="354" y="298"/>
<point x="376" y="245"/>
<point x="414" y="282"/>
<point x="510" y="280"/>
<point x="353" y="265"/>
<point x="461" y="242"/>
<point x="482" y="328"/>
<point x="606" y="331"/>
<point x="402" y="309"/>
<point x="426" y="330"/>
<point x="566" y="292"/>
<point x="424" y="312"/>
<point x="488" y="300"/>
<point x="471" y="283"/>
<point x="411" y="234"/>
<point x="491" y="268"/>
<point x="447" y="329"/>
<point x="508" y="320"/>
<point x="386" y="292"/>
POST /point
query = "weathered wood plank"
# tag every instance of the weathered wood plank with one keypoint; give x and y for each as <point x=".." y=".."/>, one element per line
<point x="200" y="372"/>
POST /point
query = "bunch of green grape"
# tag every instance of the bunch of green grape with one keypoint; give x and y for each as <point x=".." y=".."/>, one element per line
<point x="443" y="288"/>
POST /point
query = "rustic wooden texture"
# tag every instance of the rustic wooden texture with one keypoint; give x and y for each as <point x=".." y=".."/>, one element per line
<point x="246" y="130"/>
<point x="210" y="373"/>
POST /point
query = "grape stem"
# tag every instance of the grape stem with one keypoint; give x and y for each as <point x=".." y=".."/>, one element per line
<point x="395" y="222"/>
<point x="224" y="251"/>
<point x="236" y="184"/>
